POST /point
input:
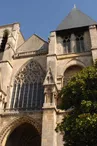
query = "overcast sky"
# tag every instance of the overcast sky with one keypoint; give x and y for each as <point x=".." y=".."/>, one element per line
<point x="41" y="16"/>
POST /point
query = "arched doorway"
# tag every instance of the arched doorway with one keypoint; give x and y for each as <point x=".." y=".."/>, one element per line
<point x="24" y="135"/>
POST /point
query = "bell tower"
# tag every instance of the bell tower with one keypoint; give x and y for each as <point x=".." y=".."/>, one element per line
<point x="72" y="46"/>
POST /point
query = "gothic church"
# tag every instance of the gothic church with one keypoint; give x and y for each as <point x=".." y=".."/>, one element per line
<point x="33" y="71"/>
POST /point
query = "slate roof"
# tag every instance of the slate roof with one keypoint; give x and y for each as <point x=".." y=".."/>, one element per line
<point x="76" y="19"/>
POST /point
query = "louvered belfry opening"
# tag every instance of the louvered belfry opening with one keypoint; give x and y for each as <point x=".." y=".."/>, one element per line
<point x="28" y="91"/>
<point x="24" y="135"/>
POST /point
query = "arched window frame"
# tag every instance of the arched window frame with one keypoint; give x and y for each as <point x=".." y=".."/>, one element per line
<point x="80" y="43"/>
<point x="76" y="69"/>
<point x="66" y="44"/>
<point x="28" y="83"/>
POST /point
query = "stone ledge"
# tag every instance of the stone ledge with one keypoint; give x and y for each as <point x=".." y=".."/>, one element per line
<point x="94" y="48"/>
<point x="65" y="56"/>
<point x="16" y="113"/>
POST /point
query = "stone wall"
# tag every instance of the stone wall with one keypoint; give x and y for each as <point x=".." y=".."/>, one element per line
<point x="93" y="36"/>
<point x="60" y="115"/>
<point x="20" y="40"/>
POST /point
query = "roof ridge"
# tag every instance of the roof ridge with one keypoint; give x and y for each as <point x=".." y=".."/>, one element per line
<point x="40" y="38"/>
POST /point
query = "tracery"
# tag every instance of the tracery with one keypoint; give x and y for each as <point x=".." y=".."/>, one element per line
<point x="28" y="88"/>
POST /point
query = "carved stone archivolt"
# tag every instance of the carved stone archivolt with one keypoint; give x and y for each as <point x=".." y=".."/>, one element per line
<point x="9" y="128"/>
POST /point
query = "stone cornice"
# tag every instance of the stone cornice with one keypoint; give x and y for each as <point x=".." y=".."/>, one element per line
<point x="94" y="48"/>
<point x="58" y="57"/>
<point x="17" y="113"/>
<point x="58" y="111"/>
<point x="27" y="54"/>
<point x="65" y="56"/>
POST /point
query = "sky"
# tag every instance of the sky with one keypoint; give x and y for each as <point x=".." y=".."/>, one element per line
<point x="42" y="16"/>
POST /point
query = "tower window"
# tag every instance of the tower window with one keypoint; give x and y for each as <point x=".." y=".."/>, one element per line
<point x="66" y="44"/>
<point x="80" y="43"/>
<point x="4" y="40"/>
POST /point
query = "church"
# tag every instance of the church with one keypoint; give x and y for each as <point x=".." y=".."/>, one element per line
<point x="32" y="73"/>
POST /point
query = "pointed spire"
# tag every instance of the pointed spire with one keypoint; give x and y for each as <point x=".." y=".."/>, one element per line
<point x="74" y="6"/>
<point x="76" y="19"/>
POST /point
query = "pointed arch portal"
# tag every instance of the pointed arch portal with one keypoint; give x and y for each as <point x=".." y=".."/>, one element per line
<point x="28" y="92"/>
<point x="24" y="135"/>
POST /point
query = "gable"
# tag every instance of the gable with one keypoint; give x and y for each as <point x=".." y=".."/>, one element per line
<point x="33" y="44"/>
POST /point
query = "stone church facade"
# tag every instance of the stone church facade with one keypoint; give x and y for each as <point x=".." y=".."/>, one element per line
<point x="33" y="72"/>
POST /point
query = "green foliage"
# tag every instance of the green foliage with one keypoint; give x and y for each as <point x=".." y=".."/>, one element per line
<point x="81" y="87"/>
<point x="79" y="126"/>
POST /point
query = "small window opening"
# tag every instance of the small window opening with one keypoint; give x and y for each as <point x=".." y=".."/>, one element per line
<point x="80" y="43"/>
<point x="66" y="43"/>
<point x="4" y="40"/>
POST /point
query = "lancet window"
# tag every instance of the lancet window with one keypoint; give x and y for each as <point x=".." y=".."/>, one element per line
<point x="80" y="43"/>
<point x="66" y="43"/>
<point x="28" y="91"/>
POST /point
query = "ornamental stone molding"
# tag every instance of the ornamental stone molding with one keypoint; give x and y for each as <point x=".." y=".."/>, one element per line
<point x="73" y="62"/>
<point x="17" y="121"/>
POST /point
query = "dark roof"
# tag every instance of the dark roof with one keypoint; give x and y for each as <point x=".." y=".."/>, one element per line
<point x="76" y="19"/>
<point x="43" y="49"/>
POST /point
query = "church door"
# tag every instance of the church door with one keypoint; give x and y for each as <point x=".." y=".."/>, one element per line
<point x="24" y="135"/>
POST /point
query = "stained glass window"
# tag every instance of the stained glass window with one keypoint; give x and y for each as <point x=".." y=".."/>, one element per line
<point x="28" y="91"/>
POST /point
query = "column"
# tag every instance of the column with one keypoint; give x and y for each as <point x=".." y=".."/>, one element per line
<point x="93" y="36"/>
<point x="73" y="44"/>
<point x="49" y="135"/>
